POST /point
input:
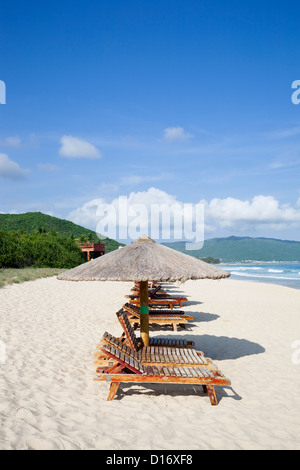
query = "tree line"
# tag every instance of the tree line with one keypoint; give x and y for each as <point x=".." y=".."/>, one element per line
<point x="40" y="249"/>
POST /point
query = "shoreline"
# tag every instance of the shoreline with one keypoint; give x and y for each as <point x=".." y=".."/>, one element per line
<point x="276" y="273"/>
<point x="251" y="262"/>
<point x="271" y="282"/>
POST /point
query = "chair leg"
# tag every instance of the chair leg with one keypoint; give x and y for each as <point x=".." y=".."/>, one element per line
<point x="212" y="395"/>
<point x="113" y="390"/>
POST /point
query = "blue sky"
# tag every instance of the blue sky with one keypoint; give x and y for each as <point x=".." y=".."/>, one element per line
<point x="179" y="100"/>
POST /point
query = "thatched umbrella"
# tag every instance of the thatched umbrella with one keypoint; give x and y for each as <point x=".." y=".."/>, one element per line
<point x="143" y="261"/>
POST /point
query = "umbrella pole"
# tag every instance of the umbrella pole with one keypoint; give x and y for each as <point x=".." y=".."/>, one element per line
<point x="144" y="312"/>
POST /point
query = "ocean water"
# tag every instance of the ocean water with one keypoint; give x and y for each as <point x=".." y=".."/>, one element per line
<point x="285" y="274"/>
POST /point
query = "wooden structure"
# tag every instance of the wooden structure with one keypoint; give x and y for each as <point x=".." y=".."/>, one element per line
<point x="157" y="293"/>
<point x="144" y="261"/>
<point x="164" y="302"/>
<point x="151" y="285"/>
<point x="157" y="289"/>
<point x="157" y="297"/>
<point x="151" y="355"/>
<point x="123" y="368"/>
<point x="137" y="344"/>
<point x="160" y="317"/>
<point x="93" y="250"/>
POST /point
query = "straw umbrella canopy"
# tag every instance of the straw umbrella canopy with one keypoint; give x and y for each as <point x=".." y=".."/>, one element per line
<point x="143" y="261"/>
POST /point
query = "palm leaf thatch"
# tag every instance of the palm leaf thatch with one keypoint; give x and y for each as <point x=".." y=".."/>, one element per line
<point x="144" y="260"/>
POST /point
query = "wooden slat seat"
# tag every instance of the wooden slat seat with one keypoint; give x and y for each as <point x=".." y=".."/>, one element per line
<point x="162" y="317"/>
<point x="127" y="369"/>
<point x="157" y="290"/>
<point x="155" y="295"/>
<point x="162" y="295"/>
<point x="135" y="310"/>
<point x="154" y="355"/>
<point x="158" y="303"/>
<point x="134" y="343"/>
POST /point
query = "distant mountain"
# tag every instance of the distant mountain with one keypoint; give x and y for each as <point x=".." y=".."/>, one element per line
<point x="31" y="222"/>
<point x="239" y="249"/>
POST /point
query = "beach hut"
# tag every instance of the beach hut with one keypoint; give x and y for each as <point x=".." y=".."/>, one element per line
<point x="143" y="261"/>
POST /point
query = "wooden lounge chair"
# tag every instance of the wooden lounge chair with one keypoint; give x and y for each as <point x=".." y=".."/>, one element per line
<point x="152" y="355"/>
<point x="158" y="303"/>
<point x="160" y="317"/>
<point x="151" y="284"/>
<point x="125" y="369"/>
<point x="152" y="291"/>
<point x="136" y="343"/>
<point x="155" y="294"/>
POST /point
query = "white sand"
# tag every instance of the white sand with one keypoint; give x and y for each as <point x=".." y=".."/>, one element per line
<point x="50" y="401"/>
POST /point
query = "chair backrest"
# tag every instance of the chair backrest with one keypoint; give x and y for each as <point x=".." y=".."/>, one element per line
<point x="128" y="330"/>
<point x="132" y="309"/>
<point x="118" y="344"/>
<point x="136" y="366"/>
<point x="154" y="291"/>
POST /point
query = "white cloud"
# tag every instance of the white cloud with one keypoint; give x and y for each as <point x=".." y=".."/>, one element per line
<point x="151" y="196"/>
<point x="72" y="147"/>
<point x="86" y="214"/>
<point x="231" y="215"/>
<point x="12" y="142"/>
<point x="151" y="212"/>
<point x="11" y="169"/>
<point x="174" y="134"/>
<point x="261" y="211"/>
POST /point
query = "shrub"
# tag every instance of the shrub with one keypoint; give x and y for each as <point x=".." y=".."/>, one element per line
<point x="40" y="249"/>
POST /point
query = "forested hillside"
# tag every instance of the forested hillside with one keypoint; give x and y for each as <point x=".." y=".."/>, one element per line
<point x="238" y="249"/>
<point x="31" y="222"/>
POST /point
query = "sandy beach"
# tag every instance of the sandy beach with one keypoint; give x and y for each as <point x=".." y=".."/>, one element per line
<point x="49" y="400"/>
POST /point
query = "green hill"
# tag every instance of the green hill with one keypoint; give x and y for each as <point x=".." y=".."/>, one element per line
<point x="239" y="249"/>
<point x="31" y="222"/>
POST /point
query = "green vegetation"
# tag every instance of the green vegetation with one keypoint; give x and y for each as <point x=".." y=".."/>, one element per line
<point x="12" y="276"/>
<point x="211" y="260"/>
<point x="33" y="222"/>
<point x="239" y="249"/>
<point x="40" y="249"/>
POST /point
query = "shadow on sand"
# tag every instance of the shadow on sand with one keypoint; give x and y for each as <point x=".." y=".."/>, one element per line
<point x="222" y="347"/>
<point x="200" y="317"/>
<point x="173" y="390"/>
<point x="218" y="347"/>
